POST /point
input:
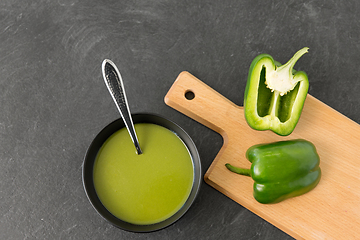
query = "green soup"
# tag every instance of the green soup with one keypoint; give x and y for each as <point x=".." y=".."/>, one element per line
<point x="147" y="188"/>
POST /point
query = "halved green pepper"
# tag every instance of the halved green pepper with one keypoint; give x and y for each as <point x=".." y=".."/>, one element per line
<point x="274" y="94"/>
<point x="281" y="170"/>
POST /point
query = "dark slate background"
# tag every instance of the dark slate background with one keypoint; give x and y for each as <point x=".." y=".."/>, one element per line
<point x="53" y="100"/>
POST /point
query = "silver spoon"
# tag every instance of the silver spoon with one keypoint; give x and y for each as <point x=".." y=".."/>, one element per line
<point x="116" y="88"/>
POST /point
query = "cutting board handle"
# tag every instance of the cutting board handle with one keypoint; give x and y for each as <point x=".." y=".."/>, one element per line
<point x="200" y="102"/>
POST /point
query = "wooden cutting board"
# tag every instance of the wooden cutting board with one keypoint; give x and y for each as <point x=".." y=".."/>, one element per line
<point x="331" y="210"/>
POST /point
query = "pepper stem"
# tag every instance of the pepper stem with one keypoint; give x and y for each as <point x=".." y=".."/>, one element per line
<point x="241" y="171"/>
<point x="290" y="64"/>
<point x="281" y="79"/>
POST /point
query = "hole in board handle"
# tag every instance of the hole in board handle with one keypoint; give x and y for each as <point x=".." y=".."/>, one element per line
<point x="189" y="95"/>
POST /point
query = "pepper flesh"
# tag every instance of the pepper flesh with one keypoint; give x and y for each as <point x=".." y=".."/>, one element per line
<point x="281" y="170"/>
<point x="275" y="95"/>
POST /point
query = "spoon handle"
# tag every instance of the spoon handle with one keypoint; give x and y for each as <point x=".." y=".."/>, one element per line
<point x="116" y="88"/>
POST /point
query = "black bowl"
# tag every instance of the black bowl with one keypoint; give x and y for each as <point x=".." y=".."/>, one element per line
<point x="87" y="173"/>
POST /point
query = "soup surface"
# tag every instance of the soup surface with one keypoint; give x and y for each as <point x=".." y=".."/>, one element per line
<point x="147" y="188"/>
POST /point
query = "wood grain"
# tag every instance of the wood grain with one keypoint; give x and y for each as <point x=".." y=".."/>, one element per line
<point x="331" y="210"/>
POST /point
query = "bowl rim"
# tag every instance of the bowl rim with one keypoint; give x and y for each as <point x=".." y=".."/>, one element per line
<point x="103" y="135"/>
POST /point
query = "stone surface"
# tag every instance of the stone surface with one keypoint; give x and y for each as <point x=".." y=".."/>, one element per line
<point x="53" y="100"/>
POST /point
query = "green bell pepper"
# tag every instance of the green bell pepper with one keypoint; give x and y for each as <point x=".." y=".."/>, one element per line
<point x="274" y="94"/>
<point x="281" y="170"/>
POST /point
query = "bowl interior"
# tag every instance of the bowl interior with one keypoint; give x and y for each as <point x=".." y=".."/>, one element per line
<point x="91" y="157"/>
